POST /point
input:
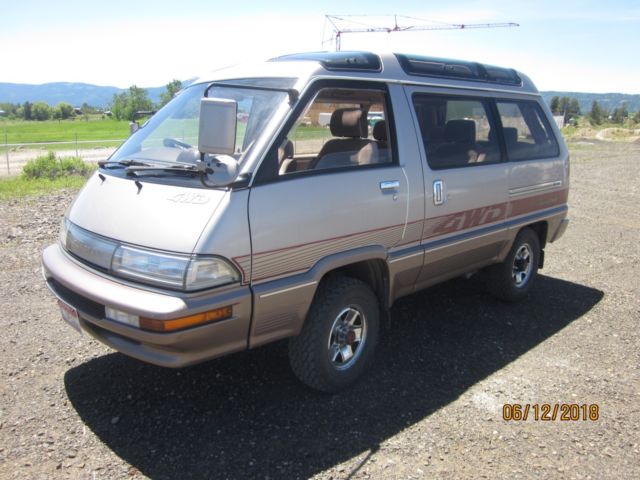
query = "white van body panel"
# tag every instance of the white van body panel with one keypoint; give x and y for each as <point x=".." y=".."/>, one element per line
<point x="152" y="215"/>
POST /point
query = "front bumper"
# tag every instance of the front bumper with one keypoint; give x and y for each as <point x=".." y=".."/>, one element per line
<point x="89" y="291"/>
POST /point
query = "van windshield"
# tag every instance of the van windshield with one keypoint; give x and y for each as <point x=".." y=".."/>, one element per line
<point x="172" y="134"/>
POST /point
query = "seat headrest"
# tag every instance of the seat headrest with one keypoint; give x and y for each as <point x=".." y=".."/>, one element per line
<point x="460" y="131"/>
<point x="380" y="131"/>
<point x="288" y="149"/>
<point x="510" y="135"/>
<point x="349" y="122"/>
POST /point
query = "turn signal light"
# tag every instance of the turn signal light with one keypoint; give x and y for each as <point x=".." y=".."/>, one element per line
<point x="186" y="322"/>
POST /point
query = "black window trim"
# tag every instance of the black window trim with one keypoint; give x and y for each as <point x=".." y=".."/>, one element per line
<point x="541" y="115"/>
<point x="494" y="121"/>
<point x="373" y="62"/>
<point x="268" y="169"/>
<point x="478" y="72"/>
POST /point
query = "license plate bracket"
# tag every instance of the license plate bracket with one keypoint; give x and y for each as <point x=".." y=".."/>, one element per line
<point x="70" y="315"/>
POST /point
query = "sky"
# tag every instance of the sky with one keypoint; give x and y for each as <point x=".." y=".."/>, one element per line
<point x="564" y="45"/>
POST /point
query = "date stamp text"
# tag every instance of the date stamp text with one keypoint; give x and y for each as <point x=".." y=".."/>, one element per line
<point x="548" y="412"/>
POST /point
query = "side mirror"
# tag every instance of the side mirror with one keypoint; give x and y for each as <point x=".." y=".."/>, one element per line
<point x="133" y="127"/>
<point x="218" y="121"/>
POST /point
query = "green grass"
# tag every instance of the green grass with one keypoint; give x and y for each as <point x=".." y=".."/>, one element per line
<point x="96" y="128"/>
<point x="311" y="133"/>
<point x="45" y="174"/>
<point x="19" y="187"/>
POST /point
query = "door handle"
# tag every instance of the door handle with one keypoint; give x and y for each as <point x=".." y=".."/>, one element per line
<point x="438" y="192"/>
<point x="389" y="185"/>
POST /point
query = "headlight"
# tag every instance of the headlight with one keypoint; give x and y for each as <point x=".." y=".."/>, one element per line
<point x="64" y="229"/>
<point x="179" y="272"/>
<point x="209" y="272"/>
<point x="173" y="271"/>
<point x="86" y="245"/>
<point x="150" y="267"/>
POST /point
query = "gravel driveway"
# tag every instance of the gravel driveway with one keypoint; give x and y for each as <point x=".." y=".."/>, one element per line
<point x="431" y="407"/>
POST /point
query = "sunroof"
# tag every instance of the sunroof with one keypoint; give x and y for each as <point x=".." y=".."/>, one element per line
<point x="440" y="67"/>
<point x="360" y="61"/>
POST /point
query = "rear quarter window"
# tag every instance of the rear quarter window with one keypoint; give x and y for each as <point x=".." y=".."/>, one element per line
<point x="527" y="133"/>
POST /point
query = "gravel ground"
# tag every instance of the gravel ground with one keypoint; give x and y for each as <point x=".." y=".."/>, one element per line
<point x="431" y="407"/>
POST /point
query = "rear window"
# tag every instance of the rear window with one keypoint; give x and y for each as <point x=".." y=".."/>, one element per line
<point x="527" y="134"/>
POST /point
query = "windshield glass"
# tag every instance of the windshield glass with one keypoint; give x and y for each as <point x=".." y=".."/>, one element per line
<point x="172" y="134"/>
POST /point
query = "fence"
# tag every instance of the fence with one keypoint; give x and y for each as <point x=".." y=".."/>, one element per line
<point x="16" y="155"/>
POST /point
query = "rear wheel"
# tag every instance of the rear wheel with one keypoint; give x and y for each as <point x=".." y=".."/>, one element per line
<point x="339" y="336"/>
<point x="512" y="279"/>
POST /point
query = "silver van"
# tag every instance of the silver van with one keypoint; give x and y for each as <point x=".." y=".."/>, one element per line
<point x="299" y="198"/>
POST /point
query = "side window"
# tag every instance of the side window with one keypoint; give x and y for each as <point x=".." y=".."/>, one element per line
<point x="456" y="131"/>
<point x="527" y="134"/>
<point x="339" y="128"/>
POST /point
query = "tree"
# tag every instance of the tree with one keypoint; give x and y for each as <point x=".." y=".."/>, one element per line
<point x="574" y="108"/>
<point x="636" y="117"/>
<point x="125" y="104"/>
<point x="63" y="111"/>
<point x="41" y="111"/>
<point x="119" y="105"/>
<point x="86" y="108"/>
<point x="597" y="114"/>
<point x="567" y="107"/>
<point x="620" y="114"/>
<point x="173" y="87"/>
<point x="27" y="111"/>
<point x="11" y="110"/>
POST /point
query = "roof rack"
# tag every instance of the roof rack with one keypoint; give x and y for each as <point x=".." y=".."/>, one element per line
<point x="457" y="69"/>
<point x="344" y="60"/>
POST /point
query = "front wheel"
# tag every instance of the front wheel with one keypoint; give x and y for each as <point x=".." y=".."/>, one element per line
<point x="339" y="336"/>
<point x="512" y="279"/>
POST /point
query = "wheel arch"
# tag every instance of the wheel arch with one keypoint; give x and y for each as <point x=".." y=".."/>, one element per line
<point x="541" y="229"/>
<point x="270" y="321"/>
<point x="374" y="272"/>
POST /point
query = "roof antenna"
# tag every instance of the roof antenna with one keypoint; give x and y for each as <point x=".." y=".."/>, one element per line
<point x="358" y="26"/>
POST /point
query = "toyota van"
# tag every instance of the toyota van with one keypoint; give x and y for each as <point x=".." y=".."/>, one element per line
<point x="300" y="198"/>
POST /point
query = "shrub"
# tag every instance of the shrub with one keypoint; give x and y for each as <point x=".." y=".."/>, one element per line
<point x="49" y="166"/>
<point x="40" y="111"/>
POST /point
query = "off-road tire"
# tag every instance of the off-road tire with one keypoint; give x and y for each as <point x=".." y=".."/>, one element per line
<point x="309" y="353"/>
<point x="501" y="279"/>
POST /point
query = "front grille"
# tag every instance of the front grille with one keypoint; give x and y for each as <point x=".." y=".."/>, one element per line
<point x="83" y="304"/>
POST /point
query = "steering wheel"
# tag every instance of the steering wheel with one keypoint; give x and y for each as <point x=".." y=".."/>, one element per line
<point x="173" y="143"/>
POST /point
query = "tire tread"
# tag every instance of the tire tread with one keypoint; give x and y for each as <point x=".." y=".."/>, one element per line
<point x="305" y="349"/>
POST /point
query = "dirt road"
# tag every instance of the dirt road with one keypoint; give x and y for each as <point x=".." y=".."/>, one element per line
<point x="432" y="406"/>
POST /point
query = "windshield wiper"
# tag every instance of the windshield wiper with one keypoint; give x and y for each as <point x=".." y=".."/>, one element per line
<point x="176" y="168"/>
<point x="123" y="163"/>
<point x="132" y="166"/>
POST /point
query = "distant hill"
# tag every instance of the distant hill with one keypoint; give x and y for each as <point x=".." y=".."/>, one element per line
<point x="98" y="96"/>
<point x="606" y="100"/>
<point x="73" y="93"/>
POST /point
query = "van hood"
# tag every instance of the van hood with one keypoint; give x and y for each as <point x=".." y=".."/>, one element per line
<point x="159" y="216"/>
